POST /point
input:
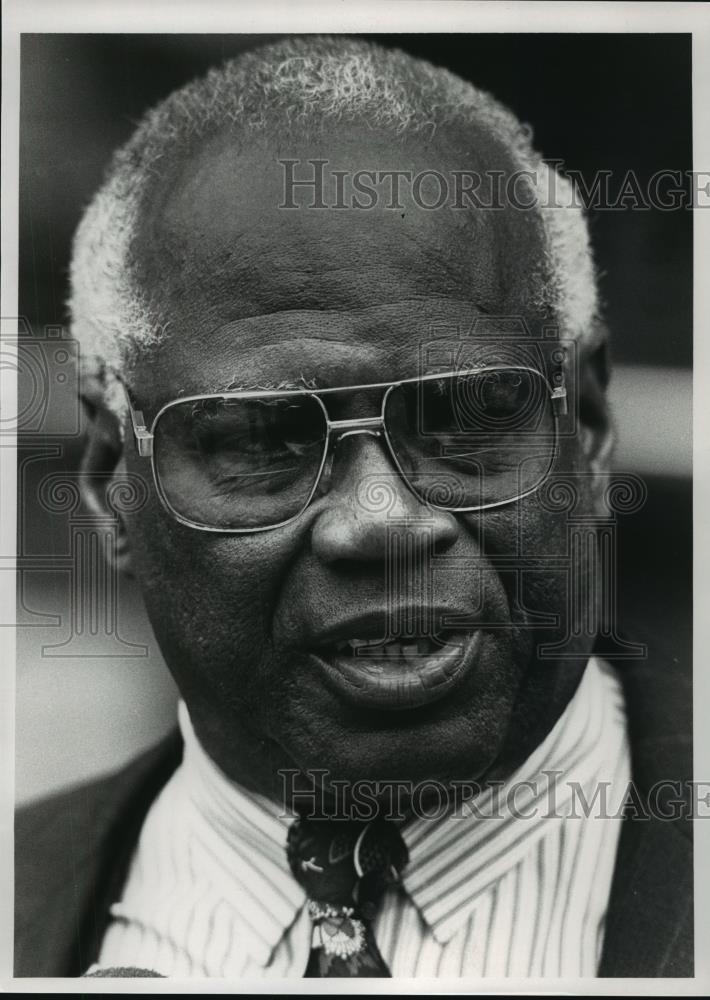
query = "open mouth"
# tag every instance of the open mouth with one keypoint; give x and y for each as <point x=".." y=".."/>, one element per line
<point x="400" y="673"/>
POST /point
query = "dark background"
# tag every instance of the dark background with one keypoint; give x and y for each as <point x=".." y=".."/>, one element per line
<point x="615" y="102"/>
<point x="596" y="102"/>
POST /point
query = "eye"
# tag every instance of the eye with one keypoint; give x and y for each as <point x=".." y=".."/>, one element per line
<point x="501" y="396"/>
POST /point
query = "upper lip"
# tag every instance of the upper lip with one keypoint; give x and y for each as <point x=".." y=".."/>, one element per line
<point x="388" y="623"/>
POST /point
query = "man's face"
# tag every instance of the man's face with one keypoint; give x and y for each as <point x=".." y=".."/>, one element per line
<point x="254" y="295"/>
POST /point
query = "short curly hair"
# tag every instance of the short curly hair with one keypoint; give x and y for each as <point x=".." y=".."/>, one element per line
<point x="319" y="80"/>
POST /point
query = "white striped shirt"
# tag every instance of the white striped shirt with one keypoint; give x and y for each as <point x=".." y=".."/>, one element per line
<point x="488" y="891"/>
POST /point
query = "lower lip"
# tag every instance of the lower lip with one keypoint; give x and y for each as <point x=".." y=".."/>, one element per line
<point x="396" y="685"/>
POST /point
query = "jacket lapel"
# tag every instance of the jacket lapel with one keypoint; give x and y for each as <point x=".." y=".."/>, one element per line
<point x="72" y="855"/>
<point x="649" y="925"/>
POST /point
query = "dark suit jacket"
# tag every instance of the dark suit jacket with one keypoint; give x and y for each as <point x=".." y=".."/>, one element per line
<point x="73" y="850"/>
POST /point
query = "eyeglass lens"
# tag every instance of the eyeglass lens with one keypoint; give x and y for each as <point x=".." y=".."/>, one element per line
<point x="462" y="441"/>
<point x="474" y="440"/>
<point x="240" y="463"/>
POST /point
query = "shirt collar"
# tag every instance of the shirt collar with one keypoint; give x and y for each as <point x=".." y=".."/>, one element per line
<point x="456" y="857"/>
<point x="453" y="859"/>
<point x="243" y="836"/>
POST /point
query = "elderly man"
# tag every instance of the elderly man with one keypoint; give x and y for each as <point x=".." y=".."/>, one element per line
<point x="345" y="327"/>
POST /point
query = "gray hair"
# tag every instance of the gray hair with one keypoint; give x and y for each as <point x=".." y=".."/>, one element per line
<point x="300" y="79"/>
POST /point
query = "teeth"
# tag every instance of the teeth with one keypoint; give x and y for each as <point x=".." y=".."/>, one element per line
<point x="394" y="650"/>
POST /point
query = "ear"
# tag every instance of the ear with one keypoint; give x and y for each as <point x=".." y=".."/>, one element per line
<point x="101" y="462"/>
<point x="598" y="435"/>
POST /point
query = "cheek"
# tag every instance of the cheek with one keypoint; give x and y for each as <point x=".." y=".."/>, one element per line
<point x="558" y="541"/>
<point x="525" y="547"/>
<point x="208" y="596"/>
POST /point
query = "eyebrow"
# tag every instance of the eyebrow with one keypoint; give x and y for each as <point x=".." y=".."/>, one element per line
<point x="302" y="382"/>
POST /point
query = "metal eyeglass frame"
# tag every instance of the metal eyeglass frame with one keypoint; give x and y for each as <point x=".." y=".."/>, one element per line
<point x="337" y="430"/>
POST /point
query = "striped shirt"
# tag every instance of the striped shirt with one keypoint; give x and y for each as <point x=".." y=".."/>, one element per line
<point x="513" y="883"/>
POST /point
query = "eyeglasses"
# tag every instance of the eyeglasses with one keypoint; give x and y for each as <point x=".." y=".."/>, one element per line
<point x="247" y="461"/>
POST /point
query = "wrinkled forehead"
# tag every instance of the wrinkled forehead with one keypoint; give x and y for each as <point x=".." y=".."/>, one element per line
<point x="236" y="257"/>
<point x="291" y="221"/>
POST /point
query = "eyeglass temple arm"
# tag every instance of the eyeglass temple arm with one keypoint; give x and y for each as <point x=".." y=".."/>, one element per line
<point x="144" y="439"/>
<point x="559" y="396"/>
<point x="559" y="401"/>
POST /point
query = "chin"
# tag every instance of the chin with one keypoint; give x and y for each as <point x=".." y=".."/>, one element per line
<point x="384" y="779"/>
<point x="457" y="736"/>
<point x="459" y="742"/>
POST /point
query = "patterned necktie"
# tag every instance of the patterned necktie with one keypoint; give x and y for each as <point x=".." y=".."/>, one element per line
<point x="345" y="867"/>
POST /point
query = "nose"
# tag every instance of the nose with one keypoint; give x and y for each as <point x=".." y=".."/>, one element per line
<point x="366" y="500"/>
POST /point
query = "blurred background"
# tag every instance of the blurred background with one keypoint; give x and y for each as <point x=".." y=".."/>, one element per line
<point x="92" y="692"/>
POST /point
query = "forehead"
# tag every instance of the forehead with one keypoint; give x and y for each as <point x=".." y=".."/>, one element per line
<point x="244" y="283"/>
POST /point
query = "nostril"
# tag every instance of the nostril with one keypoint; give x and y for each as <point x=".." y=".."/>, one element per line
<point x="345" y="532"/>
